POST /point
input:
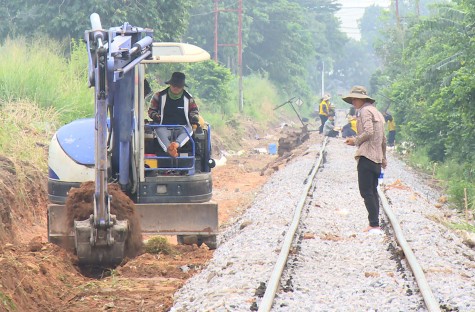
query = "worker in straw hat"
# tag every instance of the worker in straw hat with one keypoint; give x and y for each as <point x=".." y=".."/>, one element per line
<point x="371" y="153"/>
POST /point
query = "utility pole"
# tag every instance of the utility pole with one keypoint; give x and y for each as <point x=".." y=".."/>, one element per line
<point x="239" y="45"/>
<point x="216" y="13"/>
<point x="241" y="90"/>
<point x="398" y="18"/>
<point x="323" y="78"/>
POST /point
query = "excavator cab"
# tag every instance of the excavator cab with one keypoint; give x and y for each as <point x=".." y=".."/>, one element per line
<point x="172" y="196"/>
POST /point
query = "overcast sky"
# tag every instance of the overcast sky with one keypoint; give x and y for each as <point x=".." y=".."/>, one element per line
<point x="352" y="10"/>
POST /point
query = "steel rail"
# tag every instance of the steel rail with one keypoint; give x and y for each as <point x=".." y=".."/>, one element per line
<point x="429" y="299"/>
<point x="274" y="281"/>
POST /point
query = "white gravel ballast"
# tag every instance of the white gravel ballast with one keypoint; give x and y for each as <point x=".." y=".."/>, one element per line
<point x="334" y="266"/>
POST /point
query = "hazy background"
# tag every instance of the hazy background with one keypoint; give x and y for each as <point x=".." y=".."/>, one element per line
<point x="352" y="10"/>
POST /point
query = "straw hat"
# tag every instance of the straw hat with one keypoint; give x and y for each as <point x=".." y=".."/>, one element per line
<point x="358" y="92"/>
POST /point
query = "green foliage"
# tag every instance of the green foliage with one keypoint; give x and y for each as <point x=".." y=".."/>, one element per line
<point x="218" y="122"/>
<point x="275" y="32"/>
<point x="457" y="189"/>
<point x="36" y="71"/>
<point x="463" y="226"/>
<point x="283" y="40"/>
<point x="429" y="78"/>
<point x="210" y="82"/>
<point x="458" y="176"/>
<point x="260" y="98"/>
<point x="428" y="113"/>
<point x="158" y="245"/>
<point x="69" y="19"/>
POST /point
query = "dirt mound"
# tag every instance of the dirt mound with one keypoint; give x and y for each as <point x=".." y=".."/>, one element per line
<point x="7" y="171"/>
<point x="22" y="200"/>
<point x="291" y="138"/>
<point x="80" y="205"/>
<point x="35" y="280"/>
<point x="38" y="276"/>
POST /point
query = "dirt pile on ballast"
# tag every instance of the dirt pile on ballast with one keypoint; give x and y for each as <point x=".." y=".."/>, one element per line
<point x="290" y="138"/>
<point x="80" y="205"/>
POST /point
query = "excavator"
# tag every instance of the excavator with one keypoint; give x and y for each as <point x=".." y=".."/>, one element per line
<point x="172" y="196"/>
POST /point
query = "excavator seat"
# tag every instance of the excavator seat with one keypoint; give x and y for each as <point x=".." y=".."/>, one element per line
<point x="191" y="155"/>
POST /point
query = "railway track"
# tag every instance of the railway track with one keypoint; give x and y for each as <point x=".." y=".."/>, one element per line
<point x="327" y="263"/>
<point x="275" y="280"/>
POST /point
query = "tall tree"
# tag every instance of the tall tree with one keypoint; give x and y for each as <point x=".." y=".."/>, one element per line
<point x="431" y="82"/>
<point x="69" y="19"/>
<point x="284" y="39"/>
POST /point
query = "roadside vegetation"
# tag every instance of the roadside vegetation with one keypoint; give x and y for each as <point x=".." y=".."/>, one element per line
<point x="417" y="64"/>
<point x="427" y="79"/>
<point x="41" y="89"/>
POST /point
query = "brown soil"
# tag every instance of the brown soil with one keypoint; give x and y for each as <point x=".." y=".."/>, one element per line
<point x="39" y="276"/>
<point x="80" y="205"/>
<point x="8" y="172"/>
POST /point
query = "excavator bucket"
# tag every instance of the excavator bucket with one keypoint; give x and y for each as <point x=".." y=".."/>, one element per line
<point x="180" y="219"/>
<point x="108" y="246"/>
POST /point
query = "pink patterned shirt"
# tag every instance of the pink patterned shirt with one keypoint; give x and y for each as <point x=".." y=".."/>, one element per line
<point x="371" y="140"/>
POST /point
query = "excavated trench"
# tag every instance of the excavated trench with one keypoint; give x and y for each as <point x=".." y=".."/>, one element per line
<point x="80" y="203"/>
<point x="43" y="276"/>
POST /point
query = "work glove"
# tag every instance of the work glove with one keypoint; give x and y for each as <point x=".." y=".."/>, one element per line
<point x="156" y="117"/>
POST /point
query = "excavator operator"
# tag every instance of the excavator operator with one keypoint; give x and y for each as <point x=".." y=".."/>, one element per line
<point x="174" y="106"/>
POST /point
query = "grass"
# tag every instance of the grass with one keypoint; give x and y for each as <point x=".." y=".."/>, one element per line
<point x="158" y="245"/>
<point x="260" y="97"/>
<point x="40" y="89"/>
<point x="25" y="132"/>
<point x="457" y="178"/>
<point x="37" y="72"/>
<point x="7" y="302"/>
<point x="418" y="158"/>
<point x="462" y="226"/>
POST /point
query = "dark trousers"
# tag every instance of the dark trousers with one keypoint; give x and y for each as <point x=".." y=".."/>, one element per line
<point x="347" y="132"/>
<point x="368" y="173"/>
<point x="323" y="118"/>
<point x="391" y="137"/>
<point x="333" y="134"/>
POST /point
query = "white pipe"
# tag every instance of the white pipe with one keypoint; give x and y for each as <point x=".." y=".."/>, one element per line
<point x="274" y="281"/>
<point x="140" y="109"/>
<point x="431" y="303"/>
<point x="323" y="78"/>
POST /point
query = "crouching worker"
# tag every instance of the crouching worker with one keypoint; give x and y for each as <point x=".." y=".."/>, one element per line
<point x="329" y="127"/>
<point x="349" y="130"/>
<point x="174" y="106"/>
